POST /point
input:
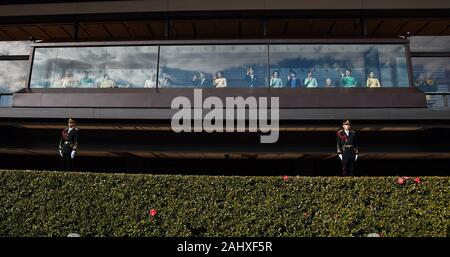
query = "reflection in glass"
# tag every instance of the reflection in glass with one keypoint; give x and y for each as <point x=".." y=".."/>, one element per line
<point x="431" y="74"/>
<point x="430" y="43"/>
<point x="6" y="100"/>
<point x="221" y="66"/>
<point x="13" y="76"/>
<point x="339" y="65"/>
<point x="213" y="66"/>
<point x="43" y="69"/>
<point x="94" y="67"/>
<point x="15" y="47"/>
<point x="131" y="66"/>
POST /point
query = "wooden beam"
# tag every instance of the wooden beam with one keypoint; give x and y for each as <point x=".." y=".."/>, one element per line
<point x="422" y="28"/>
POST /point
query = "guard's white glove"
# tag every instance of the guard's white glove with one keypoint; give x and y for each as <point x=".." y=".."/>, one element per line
<point x="72" y="154"/>
<point x="60" y="152"/>
<point x="356" y="157"/>
<point x="340" y="156"/>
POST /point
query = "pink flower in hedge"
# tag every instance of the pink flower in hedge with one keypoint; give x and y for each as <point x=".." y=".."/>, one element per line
<point x="285" y="178"/>
<point x="153" y="212"/>
<point x="417" y="180"/>
<point x="400" y="181"/>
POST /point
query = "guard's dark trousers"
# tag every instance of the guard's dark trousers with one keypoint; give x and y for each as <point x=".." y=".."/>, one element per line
<point x="68" y="162"/>
<point x="348" y="163"/>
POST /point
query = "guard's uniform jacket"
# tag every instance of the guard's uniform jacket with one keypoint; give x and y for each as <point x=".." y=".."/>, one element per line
<point x="69" y="141"/>
<point x="347" y="146"/>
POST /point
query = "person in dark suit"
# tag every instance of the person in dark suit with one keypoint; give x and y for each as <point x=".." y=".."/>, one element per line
<point x="251" y="78"/>
<point x="293" y="81"/>
<point x="200" y="80"/>
<point x="68" y="145"/>
<point x="347" y="148"/>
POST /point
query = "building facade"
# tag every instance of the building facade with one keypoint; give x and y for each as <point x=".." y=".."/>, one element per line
<point x="116" y="66"/>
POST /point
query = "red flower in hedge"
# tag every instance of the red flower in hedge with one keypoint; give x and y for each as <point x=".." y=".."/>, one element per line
<point x="400" y="181"/>
<point x="417" y="180"/>
<point x="153" y="212"/>
<point x="285" y="178"/>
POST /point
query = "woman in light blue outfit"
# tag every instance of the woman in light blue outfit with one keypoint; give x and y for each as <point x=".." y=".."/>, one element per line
<point x="276" y="81"/>
<point x="310" y="81"/>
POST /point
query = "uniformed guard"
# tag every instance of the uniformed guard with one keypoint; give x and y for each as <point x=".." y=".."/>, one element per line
<point x="68" y="144"/>
<point x="347" y="148"/>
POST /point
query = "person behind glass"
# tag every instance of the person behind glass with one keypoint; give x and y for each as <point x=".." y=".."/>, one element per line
<point x="347" y="148"/>
<point x="196" y="80"/>
<point x="276" y="81"/>
<point x="347" y="80"/>
<point x="219" y="80"/>
<point x="106" y="82"/>
<point x="292" y="81"/>
<point x="86" y="81"/>
<point x="151" y="81"/>
<point x="250" y="77"/>
<point x="310" y="81"/>
<point x="68" y="80"/>
<point x="328" y="82"/>
<point x="166" y="80"/>
<point x="68" y="145"/>
<point x="200" y="80"/>
<point x="372" y="81"/>
<point x="425" y="84"/>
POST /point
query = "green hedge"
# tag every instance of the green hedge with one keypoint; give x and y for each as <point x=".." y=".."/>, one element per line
<point x="92" y="204"/>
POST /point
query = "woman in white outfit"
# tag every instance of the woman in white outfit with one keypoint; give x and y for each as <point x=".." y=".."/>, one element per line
<point x="220" y="80"/>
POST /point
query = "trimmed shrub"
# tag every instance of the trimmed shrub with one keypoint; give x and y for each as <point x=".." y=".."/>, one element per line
<point x="95" y="204"/>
